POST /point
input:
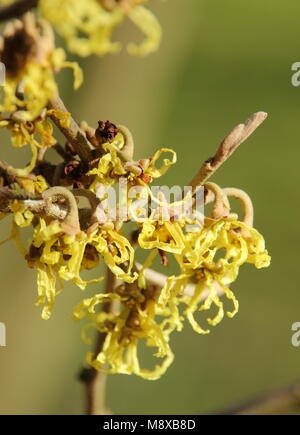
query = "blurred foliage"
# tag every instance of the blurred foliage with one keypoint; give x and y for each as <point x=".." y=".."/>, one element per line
<point x="219" y="62"/>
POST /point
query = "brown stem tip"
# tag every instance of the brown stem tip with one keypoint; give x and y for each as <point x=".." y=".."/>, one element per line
<point x="227" y="147"/>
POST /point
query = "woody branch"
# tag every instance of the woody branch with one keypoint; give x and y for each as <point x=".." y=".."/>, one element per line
<point x="227" y="147"/>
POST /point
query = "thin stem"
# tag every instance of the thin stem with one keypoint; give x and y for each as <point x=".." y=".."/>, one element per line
<point x="245" y="199"/>
<point x="72" y="133"/>
<point x="57" y="203"/>
<point x="127" y="152"/>
<point x="17" y="9"/>
<point x="95" y="382"/>
<point x="58" y="197"/>
<point x="93" y="200"/>
<point x="227" y="147"/>
<point x="283" y="400"/>
<point x="7" y="169"/>
<point x="41" y="155"/>
<point x="221" y="206"/>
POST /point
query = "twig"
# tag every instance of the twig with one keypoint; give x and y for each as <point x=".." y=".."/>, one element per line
<point x="231" y="142"/>
<point x="41" y="155"/>
<point x="17" y="9"/>
<point x="62" y="152"/>
<point x="7" y="194"/>
<point x="285" y="400"/>
<point x="245" y="199"/>
<point x="221" y="206"/>
<point x="7" y="169"/>
<point x="94" y="381"/>
<point x="59" y="198"/>
<point x="57" y="203"/>
<point x="73" y="133"/>
<point x="127" y="152"/>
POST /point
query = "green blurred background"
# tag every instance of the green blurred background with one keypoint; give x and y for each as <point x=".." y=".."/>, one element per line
<point x="219" y="62"/>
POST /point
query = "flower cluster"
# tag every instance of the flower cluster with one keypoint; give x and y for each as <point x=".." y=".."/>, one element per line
<point x="68" y="239"/>
<point x="139" y="306"/>
<point x="208" y="260"/>
<point x="31" y="62"/>
<point x="87" y="26"/>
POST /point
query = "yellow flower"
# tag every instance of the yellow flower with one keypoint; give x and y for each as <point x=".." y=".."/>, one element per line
<point x="111" y="166"/>
<point x="125" y="333"/>
<point x="37" y="133"/>
<point x="87" y="26"/>
<point x="22" y="216"/>
<point x="150" y="168"/>
<point x="108" y="164"/>
<point x="39" y="86"/>
<point x="31" y="62"/>
<point x="58" y="255"/>
<point x="212" y="263"/>
<point x="167" y="236"/>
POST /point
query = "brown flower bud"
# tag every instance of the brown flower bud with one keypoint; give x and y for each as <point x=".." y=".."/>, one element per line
<point x="18" y="48"/>
<point x="106" y="132"/>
